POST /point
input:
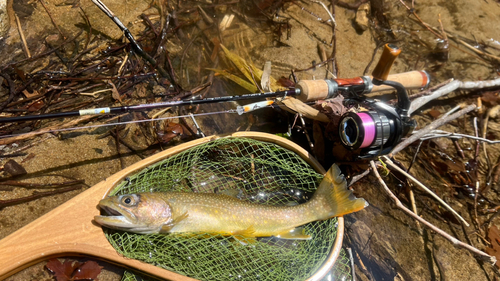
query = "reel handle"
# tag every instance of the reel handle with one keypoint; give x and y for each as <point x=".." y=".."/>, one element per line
<point x="389" y="55"/>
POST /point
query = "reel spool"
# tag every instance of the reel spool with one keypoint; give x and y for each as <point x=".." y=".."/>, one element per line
<point x="377" y="130"/>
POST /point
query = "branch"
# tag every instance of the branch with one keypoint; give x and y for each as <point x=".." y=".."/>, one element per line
<point x="390" y="163"/>
<point x="450" y="87"/>
<point x="437" y="123"/>
<point x="444" y="134"/>
<point x="480" y="254"/>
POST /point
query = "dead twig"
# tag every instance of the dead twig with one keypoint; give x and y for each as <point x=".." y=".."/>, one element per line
<point x="467" y="45"/>
<point x="334" y="23"/>
<point x="455" y="136"/>
<point x="12" y="90"/>
<point x="394" y="166"/>
<point x="358" y="177"/>
<point x="52" y="19"/>
<point x="412" y="11"/>
<point x="480" y="254"/>
<point x="133" y="42"/>
<point x="450" y="87"/>
<point x="350" y="6"/>
<point x="23" y="39"/>
<point x="476" y="157"/>
<point x="89" y="34"/>
<point x="13" y="183"/>
<point x="351" y="258"/>
<point x="437" y="123"/>
<point x="37" y="195"/>
<point x="429" y="90"/>
<point x="72" y="123"/>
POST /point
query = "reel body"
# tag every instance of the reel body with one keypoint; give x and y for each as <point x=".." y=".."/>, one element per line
<point x="376" y="131"/>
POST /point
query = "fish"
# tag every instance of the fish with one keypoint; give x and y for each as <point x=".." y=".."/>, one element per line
<point x="221" y="214"/>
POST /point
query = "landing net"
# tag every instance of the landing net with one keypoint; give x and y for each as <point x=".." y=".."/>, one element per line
<point x="251" y="170"/>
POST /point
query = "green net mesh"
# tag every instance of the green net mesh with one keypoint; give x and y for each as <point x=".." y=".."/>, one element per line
<point x="251" y="170"/>
<point x="340" y="271"/>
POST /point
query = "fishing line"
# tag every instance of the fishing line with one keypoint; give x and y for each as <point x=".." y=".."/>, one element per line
<point x="117" y="123"/>
<point x="239" y="111"/>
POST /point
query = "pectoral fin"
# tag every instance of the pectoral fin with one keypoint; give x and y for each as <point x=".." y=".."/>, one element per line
<point x="168" y="226"/>
<point x="298" y="233"/>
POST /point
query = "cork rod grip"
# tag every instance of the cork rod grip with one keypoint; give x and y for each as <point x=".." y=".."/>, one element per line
<point x="312" y="90"/>
<point x="389" y="54"/>
<point x="410" y="80"/>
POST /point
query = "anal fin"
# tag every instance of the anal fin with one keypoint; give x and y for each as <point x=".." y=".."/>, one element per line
<point x="245" y="236"/>
<point x="298" y="233"/>
<point x="249" y="232"/>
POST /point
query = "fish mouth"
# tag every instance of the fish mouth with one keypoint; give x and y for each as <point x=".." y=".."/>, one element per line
<point x="115" y="218"/>
<point x="121" y="219"/>
<point x="110" y="211"/>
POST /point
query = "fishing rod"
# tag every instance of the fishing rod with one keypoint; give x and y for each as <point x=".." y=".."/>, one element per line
<point x="372" y="129"/>
<point x="306" y="90"/>
<point x="145" y="107"/>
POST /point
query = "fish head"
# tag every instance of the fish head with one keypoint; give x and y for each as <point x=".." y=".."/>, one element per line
<point x="139" y="213"/>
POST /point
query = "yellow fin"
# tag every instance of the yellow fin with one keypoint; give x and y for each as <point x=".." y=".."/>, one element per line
<point x="298" y="233"/>
<point x="168" y="226"/>
<point x="338" y="200"/>
<point x="249" y="232"/>
<point x="245" y="240"/>
<point x="245" y="236"/>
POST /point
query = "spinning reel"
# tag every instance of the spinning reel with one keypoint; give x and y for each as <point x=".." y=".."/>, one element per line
<point x="378" y="128"/>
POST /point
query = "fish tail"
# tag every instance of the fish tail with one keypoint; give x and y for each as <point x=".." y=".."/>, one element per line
<point x="333" y="196"/>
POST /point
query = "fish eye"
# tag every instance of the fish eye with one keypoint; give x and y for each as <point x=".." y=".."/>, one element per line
<point x="128" y="200"/>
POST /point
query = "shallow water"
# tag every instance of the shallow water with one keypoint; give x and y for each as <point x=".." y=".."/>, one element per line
<point x="386" y="243"/>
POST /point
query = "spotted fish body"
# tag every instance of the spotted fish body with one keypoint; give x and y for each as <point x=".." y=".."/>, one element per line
<point x="180" y="212"/>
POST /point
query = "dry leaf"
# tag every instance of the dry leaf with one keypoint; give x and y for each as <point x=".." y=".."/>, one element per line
<point x="247" y="69"/>
<point x="171" y="131"/>
<point x="494" y="237"/>
<point x="285" y="82"/>
<point x="62" y="271"/>
<point x="333" y="108"/>
<point x="29" y="95"/>
<point x="88" y="271"/>
<point x="434" y="113"/>
<point x="115" y="94"/>
<point x="73" y="270"/>
<point x="265" y="83"/>
<point x="490" y="98"/>
<point x="14" y="168"/>
<point x="36" y="106"/>
<point x="248" y="86"/>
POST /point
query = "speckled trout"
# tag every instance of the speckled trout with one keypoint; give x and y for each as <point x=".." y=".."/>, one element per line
<point x="182" y="212"/>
